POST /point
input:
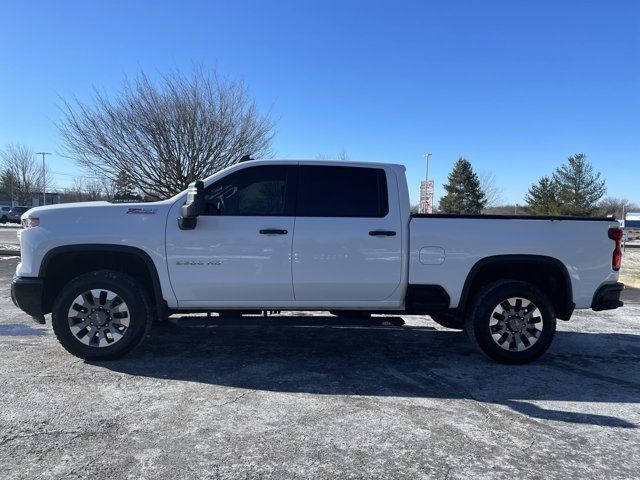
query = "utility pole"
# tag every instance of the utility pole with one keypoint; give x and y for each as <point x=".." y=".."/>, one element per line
<point x="426" y="183"/>
<point x="44" y="193"/>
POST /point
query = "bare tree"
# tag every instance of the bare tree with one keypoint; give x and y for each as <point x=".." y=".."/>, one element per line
<point x="492" y="192"/>
<point x="76" y="192"/>
<point x="617" y="207"/>
<point x="343" y="156"/>
<point x="166" y="134"/>
<point x="110" y="189"/>
<point x="23" y="173"/>
<point x="86" y="190"/>
<point x="94" y="190"/>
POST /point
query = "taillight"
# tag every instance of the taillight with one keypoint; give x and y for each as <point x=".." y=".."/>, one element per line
<point x="615" y="234"/>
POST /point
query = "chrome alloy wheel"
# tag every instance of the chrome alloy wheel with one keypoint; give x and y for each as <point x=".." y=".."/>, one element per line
<point x="515" y="324"/>
<point x="98" y="318"/>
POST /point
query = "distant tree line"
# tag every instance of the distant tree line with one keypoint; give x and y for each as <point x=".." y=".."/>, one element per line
<point x="22" y="180"/>
<point x="21" y="175"/>
<point x="574" y="188"/>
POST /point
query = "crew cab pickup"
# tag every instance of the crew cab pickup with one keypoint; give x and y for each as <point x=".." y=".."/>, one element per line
<point x="309" y="235"/>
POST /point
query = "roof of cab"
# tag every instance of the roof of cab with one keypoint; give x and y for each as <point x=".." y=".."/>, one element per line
<point x="345" y="163"/>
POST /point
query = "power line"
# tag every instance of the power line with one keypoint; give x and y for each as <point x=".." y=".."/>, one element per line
<point x="67" y="174"/>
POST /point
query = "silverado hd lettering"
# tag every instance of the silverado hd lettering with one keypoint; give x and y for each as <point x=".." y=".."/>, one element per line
<point x="275" y="235"/>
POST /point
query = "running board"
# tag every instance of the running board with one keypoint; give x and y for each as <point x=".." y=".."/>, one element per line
<point x="286" y="320"/>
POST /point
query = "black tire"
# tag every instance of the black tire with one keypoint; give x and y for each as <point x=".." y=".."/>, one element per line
<point x="133" y="294"/>
<point x="4" y="219"/>
<point x="351" y="314"/>
<point x="481" y="312"/>
<point x="447" y="320"/>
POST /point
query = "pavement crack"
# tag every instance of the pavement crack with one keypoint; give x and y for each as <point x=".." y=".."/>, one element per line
<point x="18" y="436"/>
<point x="237" y="398"/>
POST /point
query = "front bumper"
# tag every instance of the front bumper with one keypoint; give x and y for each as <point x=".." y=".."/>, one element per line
<point x="26" y="293"/>
<point x="607" y="297"/>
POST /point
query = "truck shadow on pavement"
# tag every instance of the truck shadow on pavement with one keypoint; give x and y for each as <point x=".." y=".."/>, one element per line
<point x="319" y="355"/>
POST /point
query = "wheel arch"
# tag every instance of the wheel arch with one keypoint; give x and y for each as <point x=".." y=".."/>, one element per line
<point x="549" y="274"/>
<point x="62" y="264"/>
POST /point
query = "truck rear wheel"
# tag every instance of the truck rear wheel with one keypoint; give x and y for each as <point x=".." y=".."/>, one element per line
<point x="511" y="322"/>
<point x="101" y="315"/>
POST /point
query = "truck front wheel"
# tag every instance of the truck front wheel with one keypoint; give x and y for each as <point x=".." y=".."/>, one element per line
<point x="511" y="322"/>
<point x="101" y="315"/>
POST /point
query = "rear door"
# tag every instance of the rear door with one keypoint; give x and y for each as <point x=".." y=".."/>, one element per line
<point x="348" y="235"/>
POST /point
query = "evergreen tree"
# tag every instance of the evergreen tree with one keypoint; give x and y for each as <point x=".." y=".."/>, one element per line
<point x="579" y="188"/>
<point x="7" y="181"/>
<point x="542" y="197"/>
<point x="124" y="186"/>
<point x="464" y="193"/>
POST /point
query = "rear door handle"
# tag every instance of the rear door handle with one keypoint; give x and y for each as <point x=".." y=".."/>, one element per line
<point x="273" y="231"/>
<point x="382" y="233"/>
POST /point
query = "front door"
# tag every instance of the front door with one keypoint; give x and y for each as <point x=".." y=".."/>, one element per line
<point x="240" y="250"/>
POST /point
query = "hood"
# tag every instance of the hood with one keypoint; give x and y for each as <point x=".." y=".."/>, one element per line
<point x="97" y="211"/>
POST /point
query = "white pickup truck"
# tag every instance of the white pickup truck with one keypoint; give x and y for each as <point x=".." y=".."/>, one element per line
<point x="309" y="235"/>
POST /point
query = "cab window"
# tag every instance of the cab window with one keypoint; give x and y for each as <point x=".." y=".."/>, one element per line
<point x="336" y="191"/>
<point x="253" y="191"/>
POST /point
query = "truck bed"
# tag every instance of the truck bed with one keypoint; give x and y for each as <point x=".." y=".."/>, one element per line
<point x="445" y="248"/>
<point x="514" y="217"/>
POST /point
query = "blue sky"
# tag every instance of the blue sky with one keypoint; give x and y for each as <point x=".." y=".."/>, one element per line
<point x="514" y="86"/>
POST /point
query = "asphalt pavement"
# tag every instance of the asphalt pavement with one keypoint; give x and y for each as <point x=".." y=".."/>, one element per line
<point x="9" y="235"/>
<point x="307" y="396"/>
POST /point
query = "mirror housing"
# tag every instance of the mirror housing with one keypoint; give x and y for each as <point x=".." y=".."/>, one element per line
<point x="193" y="207"/>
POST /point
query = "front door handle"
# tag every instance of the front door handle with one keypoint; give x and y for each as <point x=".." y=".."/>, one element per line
<point x="273" y="231"/>
<point x="382" y="233"/>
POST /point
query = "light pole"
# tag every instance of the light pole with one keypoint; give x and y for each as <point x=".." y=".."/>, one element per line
<point x="44" y="194"/>
<point x="426" y="183"/>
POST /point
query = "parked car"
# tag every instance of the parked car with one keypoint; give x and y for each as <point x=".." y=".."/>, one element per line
<point x="4" y="213"/>
<point x="291" y="235"/>
<point x="16" y="212"/>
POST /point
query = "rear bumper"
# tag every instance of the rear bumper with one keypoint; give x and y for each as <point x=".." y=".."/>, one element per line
<point x="26" y="293"/>
<point x="607" y="297"/>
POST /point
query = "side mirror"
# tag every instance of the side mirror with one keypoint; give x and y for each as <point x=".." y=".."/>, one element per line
<point x="193" y="207"/>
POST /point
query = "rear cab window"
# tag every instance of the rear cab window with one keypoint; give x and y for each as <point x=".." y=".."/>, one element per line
<point x="337" y="191"/>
